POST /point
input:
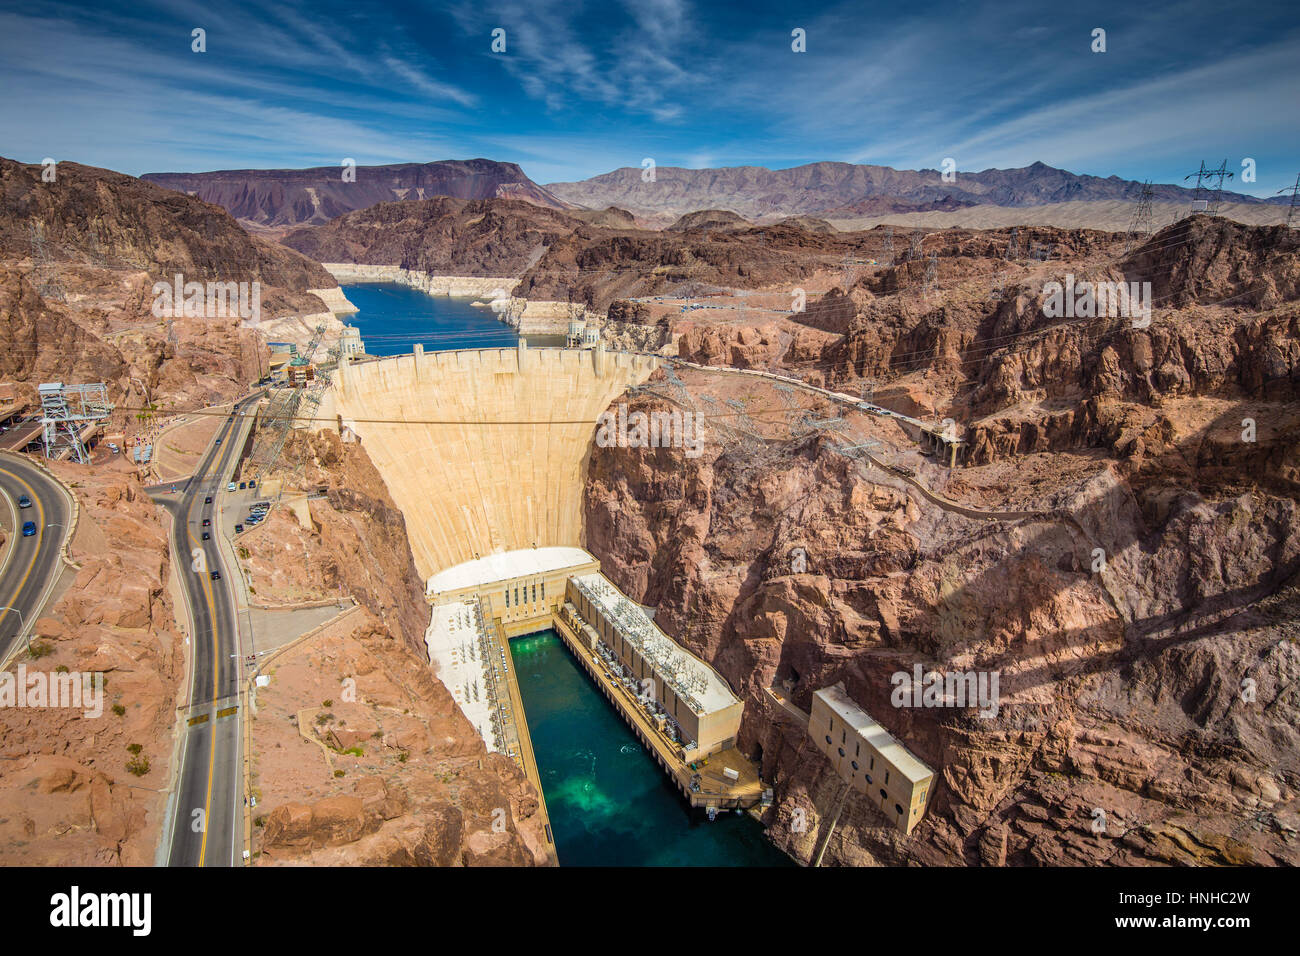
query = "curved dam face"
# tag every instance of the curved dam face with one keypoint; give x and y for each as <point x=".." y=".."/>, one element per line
<point x="483" y="450"/>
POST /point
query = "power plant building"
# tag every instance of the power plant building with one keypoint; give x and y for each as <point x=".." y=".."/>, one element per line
<point x="688" y="691"/>
<point x="869" y="758"/>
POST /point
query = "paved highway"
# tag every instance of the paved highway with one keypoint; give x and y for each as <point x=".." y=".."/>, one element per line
<point x="34" y="563"/>
<point x="205" y="814"/>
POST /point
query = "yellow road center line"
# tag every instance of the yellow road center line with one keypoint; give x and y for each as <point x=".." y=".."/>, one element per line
<point x="40" y="533"/>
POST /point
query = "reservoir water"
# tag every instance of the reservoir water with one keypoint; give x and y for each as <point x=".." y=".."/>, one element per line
<point x="392" y="318"/>
<point x="610" y="803"/>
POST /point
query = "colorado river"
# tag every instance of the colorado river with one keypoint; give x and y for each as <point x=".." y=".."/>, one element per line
<point x="609" y="802"/>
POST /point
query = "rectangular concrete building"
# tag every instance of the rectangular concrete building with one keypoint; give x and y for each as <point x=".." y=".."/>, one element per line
<point x="524" y="587"/>
<point x="689" y="691"/>
<point x="869" y="758"/>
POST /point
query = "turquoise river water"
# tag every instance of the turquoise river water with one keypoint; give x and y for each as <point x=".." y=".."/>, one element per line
<point x="610" y="804"/>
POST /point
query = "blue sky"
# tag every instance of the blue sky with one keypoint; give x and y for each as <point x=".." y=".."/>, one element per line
<point x="587" y="87"/>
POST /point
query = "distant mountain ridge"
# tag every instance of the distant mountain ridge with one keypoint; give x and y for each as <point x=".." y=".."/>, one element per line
<point x="843" y="190"/>
<point x="292" y="197"/>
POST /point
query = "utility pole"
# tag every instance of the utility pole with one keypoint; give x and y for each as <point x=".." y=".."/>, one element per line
<point x="1200" y="202"/>
<point x="1141" y="224"/>
<point x="1295" y="201"/>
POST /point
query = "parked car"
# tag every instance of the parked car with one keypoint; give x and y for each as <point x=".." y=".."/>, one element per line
<point x="238" y="528"/>
<point x="24" y="501"/>
<point x="252" y="482"/>
<point x="243" y="485"/>
<point x="230" y="487"/>
<point x="29" y="529"/>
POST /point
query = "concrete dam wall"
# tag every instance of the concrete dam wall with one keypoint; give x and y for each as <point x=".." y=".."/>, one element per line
<point x="489" y="449"/>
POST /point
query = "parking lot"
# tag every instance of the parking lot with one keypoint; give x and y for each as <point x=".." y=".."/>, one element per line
<point x="237" y="504"/>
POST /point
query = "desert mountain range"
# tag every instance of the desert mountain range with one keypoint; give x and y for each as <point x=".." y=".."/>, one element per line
<point x="290" y="197"/>
<point x="848" y="196"/>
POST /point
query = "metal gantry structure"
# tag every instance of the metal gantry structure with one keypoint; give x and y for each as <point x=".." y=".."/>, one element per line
<point x="280" y="415"/>
<point x="65" y="411"/>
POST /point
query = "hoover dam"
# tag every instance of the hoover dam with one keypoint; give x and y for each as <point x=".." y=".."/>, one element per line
<point x="483" y="450"/>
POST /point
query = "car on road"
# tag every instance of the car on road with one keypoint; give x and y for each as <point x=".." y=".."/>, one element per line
<point x="207" y="536"/>
<point x="215" y="575"/>
<point x="24" y="501"/>
<point x="29" y="528"/>
<point x="218" y="441"/>
<point x="207" y="500"/>
<point x="207" y="522"/>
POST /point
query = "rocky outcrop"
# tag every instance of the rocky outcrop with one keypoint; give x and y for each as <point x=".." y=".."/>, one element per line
<point x="1121" y="548"/>
<point x="381" y="768"/>
<point x="1119" y="691"/>
<point x="101" y="776"/>
<point x="79" y="259"/>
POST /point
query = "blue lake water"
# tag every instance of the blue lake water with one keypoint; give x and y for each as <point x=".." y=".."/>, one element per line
<point x="392" y="318"/>
<point x="609" y="802"/>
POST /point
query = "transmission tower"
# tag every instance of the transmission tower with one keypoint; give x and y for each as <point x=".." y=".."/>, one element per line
<point x="43" y="266"/>
<point x="931" y="273"/>
<point x="95" y="252"/>
<point x="1205" y="199"/>
<point x="996" y="285"/>
<point x="915" y="251"/>
<point x="1295" y="201"/>
<point x="1141" y="224"/>
<point x="65" y="410"/>
<point x="1013" y="247"/>
<point x="889" y="246"/>
<point x="848" y="274"/>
